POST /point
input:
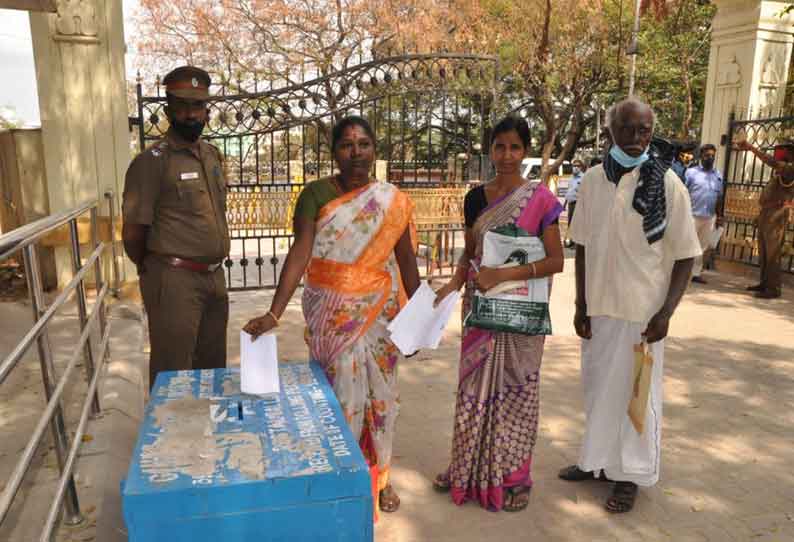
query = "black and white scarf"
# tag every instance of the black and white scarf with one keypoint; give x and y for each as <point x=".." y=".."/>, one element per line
<point x="649" y="197"/>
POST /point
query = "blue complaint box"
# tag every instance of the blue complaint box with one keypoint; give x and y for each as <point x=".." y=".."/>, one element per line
<point x="213" y="464"/>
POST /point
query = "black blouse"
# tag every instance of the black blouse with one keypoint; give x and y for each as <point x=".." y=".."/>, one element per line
<point x="475" y="203"/>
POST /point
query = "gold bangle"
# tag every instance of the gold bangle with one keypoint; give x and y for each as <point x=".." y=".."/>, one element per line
<point x="534" y="271"/>
<point x="273" y="316"/>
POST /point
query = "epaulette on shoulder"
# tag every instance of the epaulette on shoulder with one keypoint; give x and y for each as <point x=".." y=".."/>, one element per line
<point x="215" y="148"/>
<point x="156" y="149"/>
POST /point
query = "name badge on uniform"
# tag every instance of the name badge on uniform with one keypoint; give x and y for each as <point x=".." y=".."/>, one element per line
<point x="189" y="176"/>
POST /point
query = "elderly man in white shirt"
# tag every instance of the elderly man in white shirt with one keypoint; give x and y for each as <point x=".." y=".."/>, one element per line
<point x="635" y="246"/>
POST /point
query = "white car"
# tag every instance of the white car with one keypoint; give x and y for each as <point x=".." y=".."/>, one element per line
<point x="530" y="169"/>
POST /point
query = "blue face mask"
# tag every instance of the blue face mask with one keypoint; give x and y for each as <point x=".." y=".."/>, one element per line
<point x="628" y="161"/>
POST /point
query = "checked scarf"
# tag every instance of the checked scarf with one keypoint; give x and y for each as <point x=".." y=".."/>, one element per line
<point x="649" y="197"/>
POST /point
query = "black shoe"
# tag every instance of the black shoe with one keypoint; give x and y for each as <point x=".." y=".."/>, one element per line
<point x="574" y="474"/>
<point x="768" y="294"/>
<point x="756" y="288"/>
<point x="699" y="280"/>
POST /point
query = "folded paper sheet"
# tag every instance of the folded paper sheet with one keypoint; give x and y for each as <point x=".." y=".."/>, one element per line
<point x="258" y="364"/>
<point x="716" y="235"/>
<point x="641" y="386"/>
<point x="419" y="324"/>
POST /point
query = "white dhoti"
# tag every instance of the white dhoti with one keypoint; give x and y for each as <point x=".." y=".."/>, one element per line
<point x="611" y="443"/>
<point x="705" y="229"/>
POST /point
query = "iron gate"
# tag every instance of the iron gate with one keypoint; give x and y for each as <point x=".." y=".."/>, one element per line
<point x="745" y="176"/>
<point x="431" y="116"/>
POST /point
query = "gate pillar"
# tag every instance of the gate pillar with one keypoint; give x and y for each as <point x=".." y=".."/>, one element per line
<point x="79" y="54"/>
<point x="748" y="65"/>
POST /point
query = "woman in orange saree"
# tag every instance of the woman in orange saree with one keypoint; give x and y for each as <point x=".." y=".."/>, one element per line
<point x="353" y="241"/>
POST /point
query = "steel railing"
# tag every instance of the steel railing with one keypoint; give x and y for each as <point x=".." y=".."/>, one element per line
<point x="24" y="240"/>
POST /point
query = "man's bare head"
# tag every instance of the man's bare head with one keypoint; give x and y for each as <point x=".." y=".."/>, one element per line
<point x="631" y="122"/>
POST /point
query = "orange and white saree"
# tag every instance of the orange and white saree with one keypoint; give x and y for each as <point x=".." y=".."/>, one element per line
<point x="352" y="290"/>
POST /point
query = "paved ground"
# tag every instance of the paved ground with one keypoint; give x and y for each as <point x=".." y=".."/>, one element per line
<point x="727" y="442"/>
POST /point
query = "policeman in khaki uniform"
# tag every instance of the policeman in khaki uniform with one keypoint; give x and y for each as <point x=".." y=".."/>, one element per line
<point x="176" y="233"/>
<point x="775" y="201"/>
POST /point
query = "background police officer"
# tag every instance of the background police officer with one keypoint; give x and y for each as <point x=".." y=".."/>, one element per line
<point x="176" y="233"/>
<point x="775" y="201"/>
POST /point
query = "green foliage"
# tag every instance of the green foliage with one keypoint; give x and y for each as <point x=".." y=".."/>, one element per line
<point x="586" y="64"/>
<point x="673" y="65"/>
<point x="9" y="119"/>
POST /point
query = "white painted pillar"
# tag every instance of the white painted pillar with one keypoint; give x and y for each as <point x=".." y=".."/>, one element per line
<point x="79" y="55"/>
<point x="748" y="65"/>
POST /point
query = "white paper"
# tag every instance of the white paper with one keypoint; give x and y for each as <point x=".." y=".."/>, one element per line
<point x="716" y="235"/>
<point x="258" y="364"/>
<point x="499" y="251"/>
<point x="419" y="324"/>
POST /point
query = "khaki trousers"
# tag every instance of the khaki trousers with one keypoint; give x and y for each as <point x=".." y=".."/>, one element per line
<point x="188" y="313"/>
<point x="771" y="232"/>
<point x="705" y="227"/>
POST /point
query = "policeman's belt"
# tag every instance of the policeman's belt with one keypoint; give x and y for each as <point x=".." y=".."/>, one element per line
<point x="193" y="266"/>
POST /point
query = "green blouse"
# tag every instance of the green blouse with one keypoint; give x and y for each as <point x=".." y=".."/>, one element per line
<point x="314" y="197"/>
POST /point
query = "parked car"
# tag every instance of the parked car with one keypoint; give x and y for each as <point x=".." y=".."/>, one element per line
<point x="530" y="169"/>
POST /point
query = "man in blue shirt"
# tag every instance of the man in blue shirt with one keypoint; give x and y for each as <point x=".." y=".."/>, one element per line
<point x="570" y="196"/>
<point x="705" y="188"/>
<point x="683" y="160"/>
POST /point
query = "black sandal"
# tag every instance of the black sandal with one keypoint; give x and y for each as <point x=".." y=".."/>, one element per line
<point x="515" y="493"/>
<point x="442" y="483"/>
<point x="574" y="474"/>
<point x="622" y="499"/>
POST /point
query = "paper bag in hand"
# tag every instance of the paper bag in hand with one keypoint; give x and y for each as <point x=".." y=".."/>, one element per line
<point x="641" y="385"/>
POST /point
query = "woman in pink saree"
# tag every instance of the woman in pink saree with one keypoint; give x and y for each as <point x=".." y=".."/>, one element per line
<point x="496" y="412"/>
<point x="353" y="241"/>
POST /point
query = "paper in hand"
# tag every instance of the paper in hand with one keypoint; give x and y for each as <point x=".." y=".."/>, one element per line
<point x="259" y="364"/>
<point x="419" y="324"/>
<point x="716" y="235"/>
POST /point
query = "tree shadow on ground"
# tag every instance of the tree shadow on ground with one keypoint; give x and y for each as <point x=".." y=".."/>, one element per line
<point x="729" y="292"/>
<point x="729" y="406"/>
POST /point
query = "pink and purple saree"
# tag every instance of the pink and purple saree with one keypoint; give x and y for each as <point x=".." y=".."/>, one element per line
<point x="496" y="412"/>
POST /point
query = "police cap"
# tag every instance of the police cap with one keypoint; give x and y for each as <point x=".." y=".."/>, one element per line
<point x="188" y="82"/>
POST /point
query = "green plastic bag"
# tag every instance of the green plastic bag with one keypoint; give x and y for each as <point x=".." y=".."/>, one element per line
<point x="518" y="306"/>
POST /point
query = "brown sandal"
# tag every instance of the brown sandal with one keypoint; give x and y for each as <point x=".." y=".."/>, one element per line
<point x="389" y="500"/>
<point x="516" y="503"/>
<point x="623" y="496"/>
<point x="442" y="483"/>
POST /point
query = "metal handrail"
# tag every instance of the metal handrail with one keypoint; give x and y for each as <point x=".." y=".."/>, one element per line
<point x="15" y="480"/>
<point x="23" y="236"/>
<point x="35" y="332"/>
<point x="24" y="239"/>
